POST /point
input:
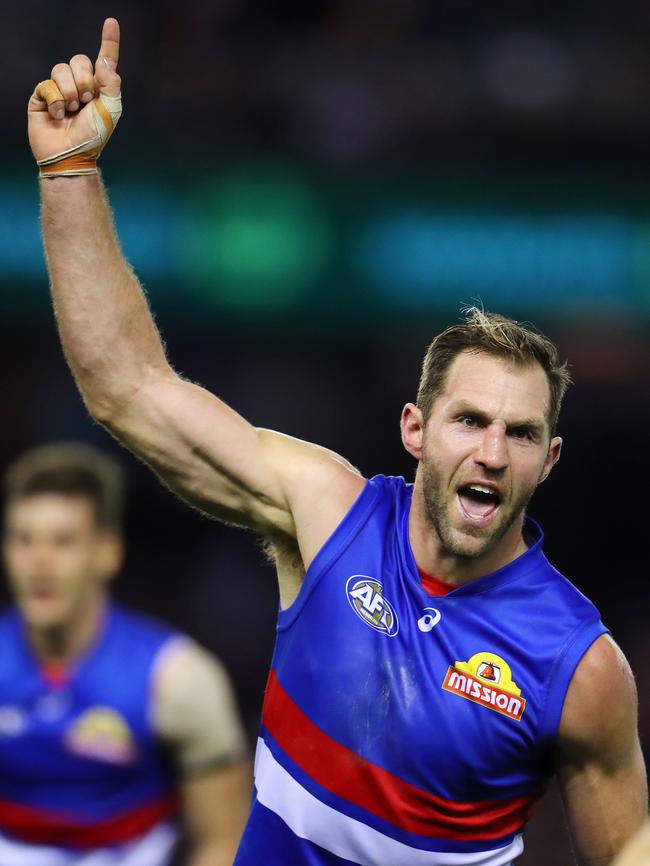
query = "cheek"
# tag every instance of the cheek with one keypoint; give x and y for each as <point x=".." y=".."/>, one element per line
<point x="77" y="564"/>
<point x="72" y="566"/>
<point x="448" y="447"/>
<point x="528" y="473"/>
<point x="18" y="561"/>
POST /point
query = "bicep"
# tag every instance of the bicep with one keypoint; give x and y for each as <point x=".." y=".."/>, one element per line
<point x="599" y="761"/>
<point x="216" y="460"/>
<point x="194" y="710"/>
<point x="604" y="806"/>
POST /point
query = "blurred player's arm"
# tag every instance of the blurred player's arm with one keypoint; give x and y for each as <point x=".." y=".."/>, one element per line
<point x="599" y="762"/>
<point x="280" y="486"/>
<point x="195" y="715"/>
<point x="637" y="851"/>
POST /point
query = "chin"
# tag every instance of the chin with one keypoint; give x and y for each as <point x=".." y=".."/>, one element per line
<point x="471" y="543"/>
<point x="468" y="547"/>
<point x="44" y="615"/>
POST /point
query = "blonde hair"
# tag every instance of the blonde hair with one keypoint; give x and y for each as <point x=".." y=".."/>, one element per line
<point x="500" y="337"/>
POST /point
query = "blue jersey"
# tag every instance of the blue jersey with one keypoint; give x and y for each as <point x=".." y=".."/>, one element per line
<point x="401" y="728"/>
<point x="80" y="766"/>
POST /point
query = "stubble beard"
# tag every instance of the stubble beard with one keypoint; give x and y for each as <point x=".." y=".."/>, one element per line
<point x="471" y="542"/>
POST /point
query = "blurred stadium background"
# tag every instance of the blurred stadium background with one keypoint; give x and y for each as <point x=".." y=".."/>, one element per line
<point x="309" y="191"/>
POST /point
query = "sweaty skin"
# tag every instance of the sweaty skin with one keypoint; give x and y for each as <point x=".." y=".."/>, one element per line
<point x="295" y="493"/>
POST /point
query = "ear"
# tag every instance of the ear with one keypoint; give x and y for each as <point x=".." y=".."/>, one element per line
<point x="554" y="450"/>
<point x="412" y="426"/>
<point x="110" y="555"/>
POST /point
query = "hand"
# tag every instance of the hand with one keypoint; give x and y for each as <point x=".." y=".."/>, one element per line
<point x="60" y="111"/>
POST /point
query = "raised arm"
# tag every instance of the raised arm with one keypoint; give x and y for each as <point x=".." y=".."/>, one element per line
<point x="204" y="450"/>
<point x="600" y="765"/>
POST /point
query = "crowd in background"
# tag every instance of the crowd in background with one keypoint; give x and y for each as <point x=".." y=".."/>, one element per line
<point x="349" y="82"/>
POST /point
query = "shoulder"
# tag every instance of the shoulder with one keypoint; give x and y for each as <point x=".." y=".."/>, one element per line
<point x="186" y="672"/>
<point x="184" y="660"/>
<point x="600" y="709"/>
<point x="306" y="464"/>
<point x="319" y="487"/>
<point x="194" y="709"/>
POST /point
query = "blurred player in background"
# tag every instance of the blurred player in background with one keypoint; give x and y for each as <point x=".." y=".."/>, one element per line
<point x="432" y="669"/>
<point x="112" y="725"/>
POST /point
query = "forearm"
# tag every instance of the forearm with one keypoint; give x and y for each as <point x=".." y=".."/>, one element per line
<point x="107" y="331"/>
<point x="215" y="806"/>
<point x="220" y="853"/>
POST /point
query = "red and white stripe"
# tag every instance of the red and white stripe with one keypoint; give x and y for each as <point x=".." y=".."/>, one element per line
<point x="380" y="792"/>
<point x="152" y="849"/>
<point x="47" y="827"/>
<point x="311" y="819"/>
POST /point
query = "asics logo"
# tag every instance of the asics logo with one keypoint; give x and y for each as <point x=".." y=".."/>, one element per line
<point x="430" y="619"/>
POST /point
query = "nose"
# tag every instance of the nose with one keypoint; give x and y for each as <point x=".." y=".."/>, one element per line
<point x="492" y="452"/>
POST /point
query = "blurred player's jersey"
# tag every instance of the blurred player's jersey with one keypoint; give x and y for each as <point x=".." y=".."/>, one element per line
<point x="82" y="777"/>
<point x="405" y="728"/>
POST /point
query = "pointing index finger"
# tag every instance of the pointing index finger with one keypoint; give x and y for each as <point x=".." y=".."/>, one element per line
<point x="110" y="47"/>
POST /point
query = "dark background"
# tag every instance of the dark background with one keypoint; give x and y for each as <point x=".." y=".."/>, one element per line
<point x="310" y="191"/>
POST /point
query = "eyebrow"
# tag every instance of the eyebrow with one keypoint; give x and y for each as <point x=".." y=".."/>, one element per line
<point x="464" y="408"/>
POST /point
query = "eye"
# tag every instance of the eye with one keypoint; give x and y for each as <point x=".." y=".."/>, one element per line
<point x="522" y="433"/>
<point x="469" y="421"/>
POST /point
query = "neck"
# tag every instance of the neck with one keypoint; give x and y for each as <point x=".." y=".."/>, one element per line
<point x="432" y="557"/>
<point x="62" y="644"/>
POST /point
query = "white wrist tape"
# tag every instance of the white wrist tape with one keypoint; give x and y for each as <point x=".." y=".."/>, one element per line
<point x="82" y="159"/>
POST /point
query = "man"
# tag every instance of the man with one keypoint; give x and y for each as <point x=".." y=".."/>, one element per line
<point x="431" y="668"/>
<point x="110" y="723"/>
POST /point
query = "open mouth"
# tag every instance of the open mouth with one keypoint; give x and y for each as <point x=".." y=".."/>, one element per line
<point x="41" y="592"/>
<point x="478" y="502"/>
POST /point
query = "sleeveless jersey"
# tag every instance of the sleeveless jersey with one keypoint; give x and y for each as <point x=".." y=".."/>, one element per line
<point x="401" y="729"/>
<point x="81" y="773"/>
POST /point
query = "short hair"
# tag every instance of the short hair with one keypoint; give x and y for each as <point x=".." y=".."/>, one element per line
<point x="71" y="469"/>
<point x="491" y="334"/>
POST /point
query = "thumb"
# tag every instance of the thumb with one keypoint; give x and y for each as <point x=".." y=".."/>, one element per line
<point x="108" y="81"/>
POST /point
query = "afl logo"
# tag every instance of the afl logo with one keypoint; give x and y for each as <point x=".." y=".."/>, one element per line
<point x="368" y="602"/>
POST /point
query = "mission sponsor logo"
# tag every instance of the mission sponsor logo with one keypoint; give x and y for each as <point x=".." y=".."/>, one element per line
<point x="103" y="734"/>
<point x="367" y="600"/>
<point x="486" y="679"/>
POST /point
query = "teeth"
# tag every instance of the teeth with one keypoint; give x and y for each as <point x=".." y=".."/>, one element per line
<point x="482" y="489"/>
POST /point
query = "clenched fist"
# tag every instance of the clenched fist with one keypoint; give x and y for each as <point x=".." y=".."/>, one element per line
<point x="72" y="115"/>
